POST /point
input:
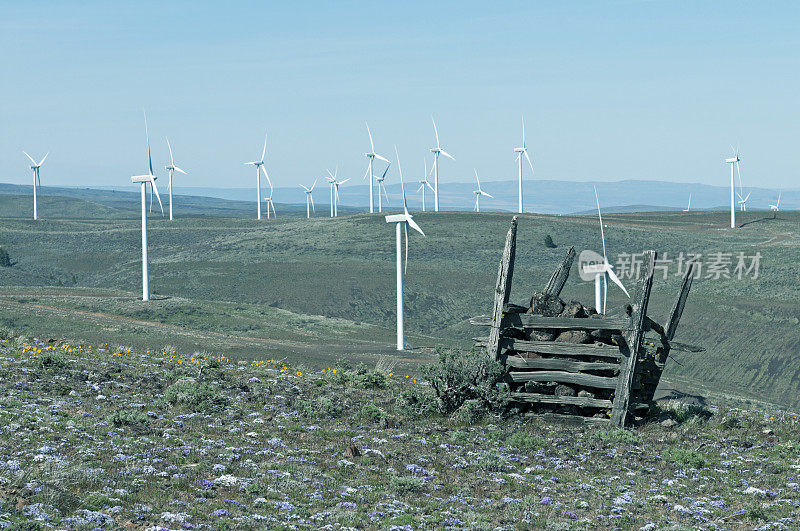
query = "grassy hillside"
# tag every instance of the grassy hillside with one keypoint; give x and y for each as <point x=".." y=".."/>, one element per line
<point x="103" y="437"/>
<point x="226" y="269"/>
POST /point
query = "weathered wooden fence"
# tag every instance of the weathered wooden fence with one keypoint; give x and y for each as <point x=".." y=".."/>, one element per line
<point x="622" y="371"/>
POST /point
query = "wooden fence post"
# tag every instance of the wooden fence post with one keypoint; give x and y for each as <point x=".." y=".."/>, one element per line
<point x="633" y="338"/>
<point x="560" y="275"/>
<point x="677" y="309"/>
<point x="502" y="290"/>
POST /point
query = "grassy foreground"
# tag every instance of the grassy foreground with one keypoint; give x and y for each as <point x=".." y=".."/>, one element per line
<point x="108" y="437"/>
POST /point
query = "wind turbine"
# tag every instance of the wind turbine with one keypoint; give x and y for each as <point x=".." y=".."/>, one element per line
<point x="777" y="206"/>
<point x="402" y="222"/>
<point x="332" y="178"/>
<point x="604" y="270"/>
<point x="35" y="167"/>
<point x="308" y="192"/>
<point x="743" y="202"/>
<point x="259" y="164"/>
<point x="436" y="152"/>
<point x="520" y="151"/>
<point x="371" y="156"/>
<point x="478" y="193"/>
<point x="423" y="183"/>
<point x="690" y="203"/>
<point x="382" y="186"/>
<point x="172" y="168"/>
<point x="270" y="204"/>
<point x="733" y="161"/>
<point x="143" y="180"/>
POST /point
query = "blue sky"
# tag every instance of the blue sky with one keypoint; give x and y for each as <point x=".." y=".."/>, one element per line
<point x="609" y="89"/>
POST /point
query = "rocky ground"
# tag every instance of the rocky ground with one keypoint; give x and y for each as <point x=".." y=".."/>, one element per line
<point x="101" y="436"/>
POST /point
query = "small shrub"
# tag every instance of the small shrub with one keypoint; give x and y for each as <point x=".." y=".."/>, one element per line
<point x="407" y="484"/>
<point x="6" y="333"/>
<point x="618" y="436"/>
<point x="127" y="417"/>
<point x="470" y="412"/>
<point x="522" y="440"/>
<point x="371" y="412"/>
<point x="371" y="380"/>
<point x="493" y="461"/>
<point x="192" y="395"/>
<point x="50" y="361"/>
<point x="5" y="259"/>
<point x="549" y="243"/>
<point x="418" y="401"/>
<point x="460" y="376"/>
<point x="684" y="458"/>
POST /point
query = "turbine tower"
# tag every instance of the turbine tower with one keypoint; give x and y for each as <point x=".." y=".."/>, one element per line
<point x="478" y="193"/>
<point x="270" y="204"/>
<point x="143" y="180"/>
<point x="690" y="203"/>
<point x="172" y="168"/>
<point x="35" y="167"/>
<point x="308" y="192"/>
<point x="423" y="183"/>
<point x="777" y="206"/>
<point x="604" y="270"/>
<point x="520" y="151"/>
<point x="259" y="164"/>
<point x="436" y="152"/>
<point x="371" y="156"/>
<point x="733" y="161"/>
<point x="402" y="222"/>
<point x="332" y="178"/>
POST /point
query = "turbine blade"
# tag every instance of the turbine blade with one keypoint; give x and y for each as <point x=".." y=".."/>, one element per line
<point x="600" y="216"/>
<point x="386" y="195"/>
<point x="446" y="154"/>
<point x="171" y="159"/>
<point x="304" y="188"/>
<point x="177" y="169"/>
<point x="371" y="145"/>
<point x="264" y="151"/>
<point x="430" y="186"/>
<point x="529" y="160"/>
<point x="476" y="178"/>
<point x="523" y="132"/>
<point x="31" y="158"/>
<point x="405" y="263"/>
<point x="45" y="156"/>
<point x="267" y="176"/>
<point x="615" y="279"/>
<point x="313" y="185"/>
<point x="366" y="173"/>
<point x="342" y="182"/>
<point x="414" y="225"/>
<point x="147" y="137"/>
<point x="487" y="195"/>
<point x="312" y="202"/>
<point x="384" y="159"/>
<point x="435" y="131"/>
<point x="402" y="185"/>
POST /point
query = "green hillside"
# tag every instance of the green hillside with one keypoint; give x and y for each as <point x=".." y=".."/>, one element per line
<point x="219" y="273"/>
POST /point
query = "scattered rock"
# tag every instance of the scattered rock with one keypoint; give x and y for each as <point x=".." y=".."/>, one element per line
<point x="768" y="432"/>
<point x="226" y="480"/>
<point x="543" y="335"/>
<point x="573" y="309"/>
<point x="574" y="336"/>
<point x="668" y="423"/>
<point x="546" y="305"/>
<point x="352" y="451"/>
<point x="564" y="390"/>
<point x="583" y="393"/>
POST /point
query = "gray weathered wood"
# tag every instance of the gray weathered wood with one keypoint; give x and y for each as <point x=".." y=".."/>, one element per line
<point x="531" y="321"/>
<point x="557" y="364"/>
<point x="575" y="378"/>
<point x="599" y="350"/>
<point x="680" y="302"/>
<point x="502" y="289"/>
<point x="633" y="338"/>
<point x="562" y="400"/>
<point x="573" y="420"/>
<point x="560" y="275"/>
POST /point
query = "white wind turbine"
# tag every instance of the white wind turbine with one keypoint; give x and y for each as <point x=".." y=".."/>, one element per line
<point x="172" y="168"/>
<point x="733" y="161"/>
<point x="436" y="152"/>
<point x="604" y="270"/>
<point x="742" y="200"/>
<point x="36" y="183"/>
<point x="382" y="186"/>
<point x="143" y="180"/>
<point x="402" y="222"/>
<point x="270" y="204"/>
<point x="259" y="164"/>
<point x="520" y="151"/>
<point x="371" y="156"/>
<point x="308" y="192"/>
<point x="777" y="206"/>
<point x="423" y="183"/>
<point x="690" y="203"/>
<point x="332" y="178"/>
<point x="478" y="193"/>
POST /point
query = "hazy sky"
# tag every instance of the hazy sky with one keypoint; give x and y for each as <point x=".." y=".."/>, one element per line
<point x="609" y="89"/>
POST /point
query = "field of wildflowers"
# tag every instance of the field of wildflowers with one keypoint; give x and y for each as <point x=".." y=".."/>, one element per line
<point x="103" y="436"/>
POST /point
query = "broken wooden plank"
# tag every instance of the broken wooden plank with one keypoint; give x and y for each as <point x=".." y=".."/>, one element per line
<point x="575" y="378"/>
<point x="560" y="275"/>
<point x="580" y="401"/>
<point x="633" y="339"/>
<point x="574" y="420"/>
<point x="680" y="302"/>
<point x="557" y="364"/>
<point x="531" y="321"/>
<point x="551" y="347"/>
<point x="502" y="289"/>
